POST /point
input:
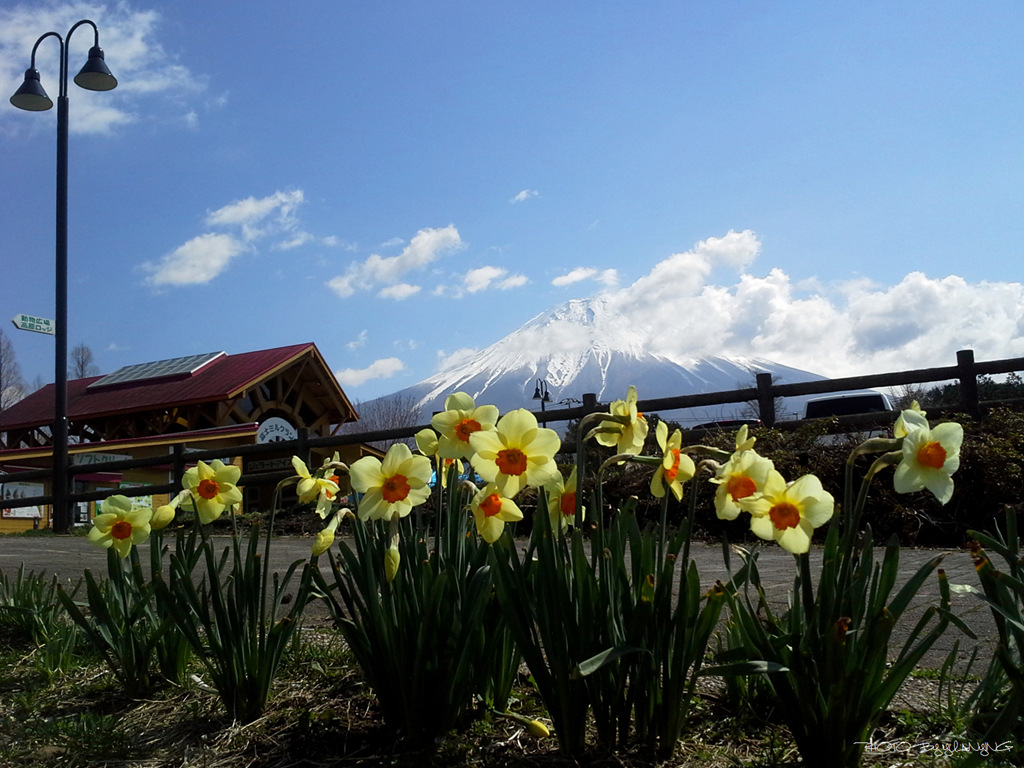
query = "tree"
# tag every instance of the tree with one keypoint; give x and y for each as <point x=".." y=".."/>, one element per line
<point x="948" y="395"/>
<point x="388" y="412"/>
<point x="12" y="387"/>
<point x="751" y="409"/>
<point x="905" y="394"/>
<point x="82" y="364"/>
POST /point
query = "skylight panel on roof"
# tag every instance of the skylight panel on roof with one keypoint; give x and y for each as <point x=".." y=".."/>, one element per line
<point x="160" y="369"/>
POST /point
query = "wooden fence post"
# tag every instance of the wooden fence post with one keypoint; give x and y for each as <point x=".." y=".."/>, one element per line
<point x="968" y="382"/>
<point x="765" y="399"/>
<point x="178" y="464"/>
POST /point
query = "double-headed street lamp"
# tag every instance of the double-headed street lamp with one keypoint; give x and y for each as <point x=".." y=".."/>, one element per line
<point x="541" y="393"/>
<point x="94" y="76"/>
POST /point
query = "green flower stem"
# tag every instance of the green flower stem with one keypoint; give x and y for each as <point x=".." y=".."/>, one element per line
<point x="663" y="523"/>
<point x="581" y="461"/>
<point x="582" y="436"/>
<point x="807" y="589"/>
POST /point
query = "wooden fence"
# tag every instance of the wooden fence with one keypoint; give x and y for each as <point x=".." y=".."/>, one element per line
<point x="966" y="372"/>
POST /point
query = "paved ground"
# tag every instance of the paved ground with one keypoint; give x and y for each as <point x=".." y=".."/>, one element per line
<point x="68" y="556"/>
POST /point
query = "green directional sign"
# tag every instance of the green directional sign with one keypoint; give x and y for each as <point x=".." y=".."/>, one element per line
<point x="32" y="323"/>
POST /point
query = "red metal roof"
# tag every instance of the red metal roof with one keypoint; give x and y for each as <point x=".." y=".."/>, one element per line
<point x="218" y="380"/>
<point x="195" y="435"/>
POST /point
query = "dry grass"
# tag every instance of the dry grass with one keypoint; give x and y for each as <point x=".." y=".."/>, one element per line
<point x="321" y="714"/>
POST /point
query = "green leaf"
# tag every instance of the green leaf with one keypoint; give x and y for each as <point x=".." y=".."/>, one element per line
<point x="594" y="663"/>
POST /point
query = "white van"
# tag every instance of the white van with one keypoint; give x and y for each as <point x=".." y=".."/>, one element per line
<point x="846" y="404"/>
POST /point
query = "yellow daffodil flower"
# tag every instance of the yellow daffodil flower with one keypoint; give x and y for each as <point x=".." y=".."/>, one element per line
<point x="562" y="502"/>
<point x="516" y="453"/>
<point x="323" y="489"/>
<point x="427" y="443"/>
<point x="118" y="526"/>
<point x="460" y="419"/>
<point x="742" y="476"/>
<point x="899" y="429"/>
<point x="743" y="442"/>
<point x="930" y="456"/>
<point x="626" y="435"/>
<point x="393" y="487"/>
<point x="676" y="467"/>
<point x="789" y="513"/>
<point x="491" y="510"/>
<point x="213" y="488"/>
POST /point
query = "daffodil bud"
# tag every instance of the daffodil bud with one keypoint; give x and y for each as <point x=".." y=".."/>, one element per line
<point x="899" y="429"/>
<point x="537" y="729"/>
<point x="163" y="517"/>
<point x="392" y="559"/>
<point x="325" y="538"/>
<point x="647" y="589"/>
<point x="323" y="542"/>
<point x="426" y="441"/>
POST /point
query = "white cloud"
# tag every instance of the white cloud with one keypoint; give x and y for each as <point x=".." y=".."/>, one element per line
<point x="483" y="278"/>
<point x="399" y="291"/>
<point x="848" y="328"/>
<point x="525" y="194"/>
<point x="298" y="239"/>
<point x="686" y="273"/>
<point x="448" y="360"/>
<point x="513" y="281"/>
<point x="143" y="68"/>
<point x="379" y="369"/>
<point x="609" y="277"/>
<point x="301" y="237"/>
<point x="358" y="341"/>
<point x="198" y="261"/>
<point x="332" y="241"/>
<point x="253" y="218"/>
<point x="427" y="246"/>
<point x="479" y="279"/>
<point x="343" y="285"/>
<point x="252" y="212"/>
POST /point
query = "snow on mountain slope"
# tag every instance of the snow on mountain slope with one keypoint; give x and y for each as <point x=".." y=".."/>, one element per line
<point x="583" y="347"/>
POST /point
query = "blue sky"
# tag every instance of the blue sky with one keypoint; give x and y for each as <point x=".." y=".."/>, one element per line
<point x="834" y="186"/>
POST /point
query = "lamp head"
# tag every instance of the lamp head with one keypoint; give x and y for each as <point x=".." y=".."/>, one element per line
<point x="95" y="76"/>
<point x="536" y="393"/>
<point x="31" y="96"/>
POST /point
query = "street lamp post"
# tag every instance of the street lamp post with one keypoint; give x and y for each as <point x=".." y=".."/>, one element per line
<point x="541" y="393"/>
<point x="94" y="76"/>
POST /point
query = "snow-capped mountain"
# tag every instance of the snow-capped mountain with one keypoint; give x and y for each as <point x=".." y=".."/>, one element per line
<point x="581" y="347"/>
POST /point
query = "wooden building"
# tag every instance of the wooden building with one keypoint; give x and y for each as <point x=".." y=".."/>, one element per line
<point x="203" y="402"/>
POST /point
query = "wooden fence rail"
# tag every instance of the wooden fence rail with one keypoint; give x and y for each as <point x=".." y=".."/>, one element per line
<point x="966" y="372"/>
